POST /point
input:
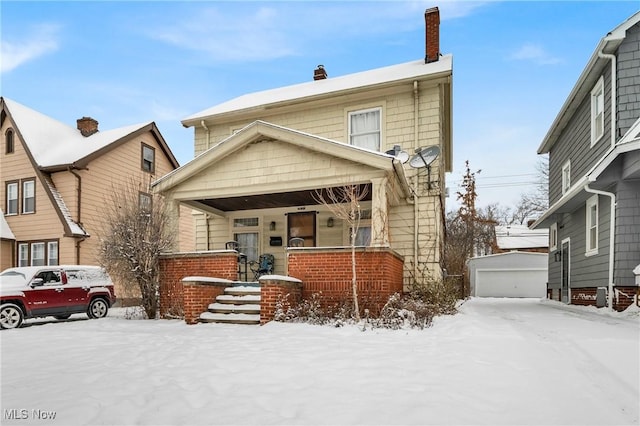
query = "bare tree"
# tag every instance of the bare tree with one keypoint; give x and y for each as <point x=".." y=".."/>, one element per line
<point x="344" y="203"/>
<point x="137" y="228"/>
<point x="468" y="230"/>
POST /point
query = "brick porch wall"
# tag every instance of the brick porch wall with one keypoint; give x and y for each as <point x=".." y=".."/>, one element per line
<point x="328" y="270"/>
<point x="175" y="266"/>
<point x="272" y="287"/>
<point x="199" y="293"/>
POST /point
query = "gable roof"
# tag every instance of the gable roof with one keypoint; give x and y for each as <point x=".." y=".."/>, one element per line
<point x="262" y="130"/>
<point x="586" y="81"/>
<point x="325" y="88"/>
<point x="512" y="237"/>
<point x="55" y="145"/>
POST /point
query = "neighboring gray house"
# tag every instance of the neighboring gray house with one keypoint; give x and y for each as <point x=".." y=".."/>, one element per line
<point x="594" y="178"/>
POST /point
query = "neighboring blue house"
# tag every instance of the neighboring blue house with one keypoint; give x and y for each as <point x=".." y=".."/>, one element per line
<point x="594" y="178"/>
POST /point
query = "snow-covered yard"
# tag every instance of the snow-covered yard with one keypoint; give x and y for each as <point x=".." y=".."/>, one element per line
<point x="497" y="362"/>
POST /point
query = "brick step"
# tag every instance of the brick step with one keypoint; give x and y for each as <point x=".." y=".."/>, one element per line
<point x="251" y="319"/>
<point x="222" y="308"/>
<point x="247" y="299"/>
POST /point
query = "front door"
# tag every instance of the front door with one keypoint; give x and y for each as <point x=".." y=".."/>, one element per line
<point x="565" y="272"/>
<point x="302" y="225"/>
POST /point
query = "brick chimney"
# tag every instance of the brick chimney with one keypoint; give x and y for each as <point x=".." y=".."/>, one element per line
<point x="87" y="126"/>
<point x="320" y="73"/>
<point x="432" y="35"/>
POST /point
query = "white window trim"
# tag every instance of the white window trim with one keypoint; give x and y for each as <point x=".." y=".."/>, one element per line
<point x="553" y="237"/>
<point x="566" y="176"/>
<point x="597" y="89"/>
<point x="591" y="202"/>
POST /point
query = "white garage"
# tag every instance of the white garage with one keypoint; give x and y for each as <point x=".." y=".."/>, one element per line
<point x="512" y="274"/>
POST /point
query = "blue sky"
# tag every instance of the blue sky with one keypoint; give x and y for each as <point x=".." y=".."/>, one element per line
<point x="130" y="62"/>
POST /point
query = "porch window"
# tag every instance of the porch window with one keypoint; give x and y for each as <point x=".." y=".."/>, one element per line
<point x="566" y="177"/>
<point x="365" y="128"/>
<point x="597" y="111"/>
<point x="363" y="236"/>
<point x="28" y="196"/>
<point x="248" y="244"/>
<point x="248" y="238"/>
<point x="12" y="198"/>
<point x="592" y="226"/>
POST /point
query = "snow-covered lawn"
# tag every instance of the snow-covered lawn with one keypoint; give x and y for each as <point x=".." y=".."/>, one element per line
<point x="497" y="362"/>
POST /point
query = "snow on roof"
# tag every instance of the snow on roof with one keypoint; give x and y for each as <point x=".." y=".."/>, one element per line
<point x="75" y="228"/>
<point x="5" y="230"/>
<point x="388" y="74"/>
<point x="53" y="143"/>
<point x="512" y="237"/>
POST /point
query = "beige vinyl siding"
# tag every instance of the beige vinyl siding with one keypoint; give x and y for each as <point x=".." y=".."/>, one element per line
<point x="331" y="121"/>
<point x="45" y="223"/>
<point x="106" y="174"/>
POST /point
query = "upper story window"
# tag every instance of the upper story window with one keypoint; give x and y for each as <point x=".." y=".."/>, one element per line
<point x="365" y="128"/>
<point x="553" y="237"/>
<point x="592" y="226"/>
<point x="597" y="111"/>
<point x="148" y="159"/>
<point x="29" y="196"/>
<point x="12" y="198"/>
<point x="8" y="139"/>
<point x="566" y="177"/>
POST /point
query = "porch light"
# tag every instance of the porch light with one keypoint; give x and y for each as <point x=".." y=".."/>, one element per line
<point x="557" y="256"/>
<point x="272" y="226"/>
<point x="330" y="222"/>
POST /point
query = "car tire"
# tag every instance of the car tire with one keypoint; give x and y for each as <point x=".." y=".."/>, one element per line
<point x="62" y="317"/>
<point x="11" y="316"/>
<point x="98" y="308"/>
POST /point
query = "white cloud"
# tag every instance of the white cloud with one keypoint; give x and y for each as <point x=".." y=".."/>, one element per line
<point x="41" y="41"/>
<point x="227" y="37"/>
<point x="534" y="53"/>
<point x="235" y="32"/>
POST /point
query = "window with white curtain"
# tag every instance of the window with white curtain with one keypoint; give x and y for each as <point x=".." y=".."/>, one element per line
<point x="365" y="128"/>
<point x="52" y="249"/>
<point x="23" y="254"/>
<point x="37" y="254"/>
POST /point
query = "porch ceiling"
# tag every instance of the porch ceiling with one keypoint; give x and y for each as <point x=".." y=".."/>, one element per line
<point x="270" y="201"/>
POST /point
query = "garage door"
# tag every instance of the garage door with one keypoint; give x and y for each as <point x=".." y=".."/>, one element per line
<point x="511" y="283"/>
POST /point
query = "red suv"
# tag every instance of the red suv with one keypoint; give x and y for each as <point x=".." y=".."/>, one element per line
<point x="57" y="291"/>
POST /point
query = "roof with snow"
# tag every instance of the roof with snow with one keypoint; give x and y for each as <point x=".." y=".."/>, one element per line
<point x="53" y="143"/>
<point x="513" y="237"/>
<point x="329" y="86"/>
<point x="5" y="230"/>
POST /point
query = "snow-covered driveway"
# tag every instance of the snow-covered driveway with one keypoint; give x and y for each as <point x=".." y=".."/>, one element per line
<point x="499" y="361"/>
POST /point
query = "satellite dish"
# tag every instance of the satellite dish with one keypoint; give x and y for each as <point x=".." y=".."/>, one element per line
<point x="403" y="156"/>
<point x="424" y="156"/>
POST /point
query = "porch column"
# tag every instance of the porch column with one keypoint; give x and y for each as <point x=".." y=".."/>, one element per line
<point x="379" y="213"/>
<point x="174" y="221"/>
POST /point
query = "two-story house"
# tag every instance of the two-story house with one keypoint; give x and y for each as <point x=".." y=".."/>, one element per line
<point x="57" y="178"/>
<point x="594" y="178"/>
<point x="263" y="158"/>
